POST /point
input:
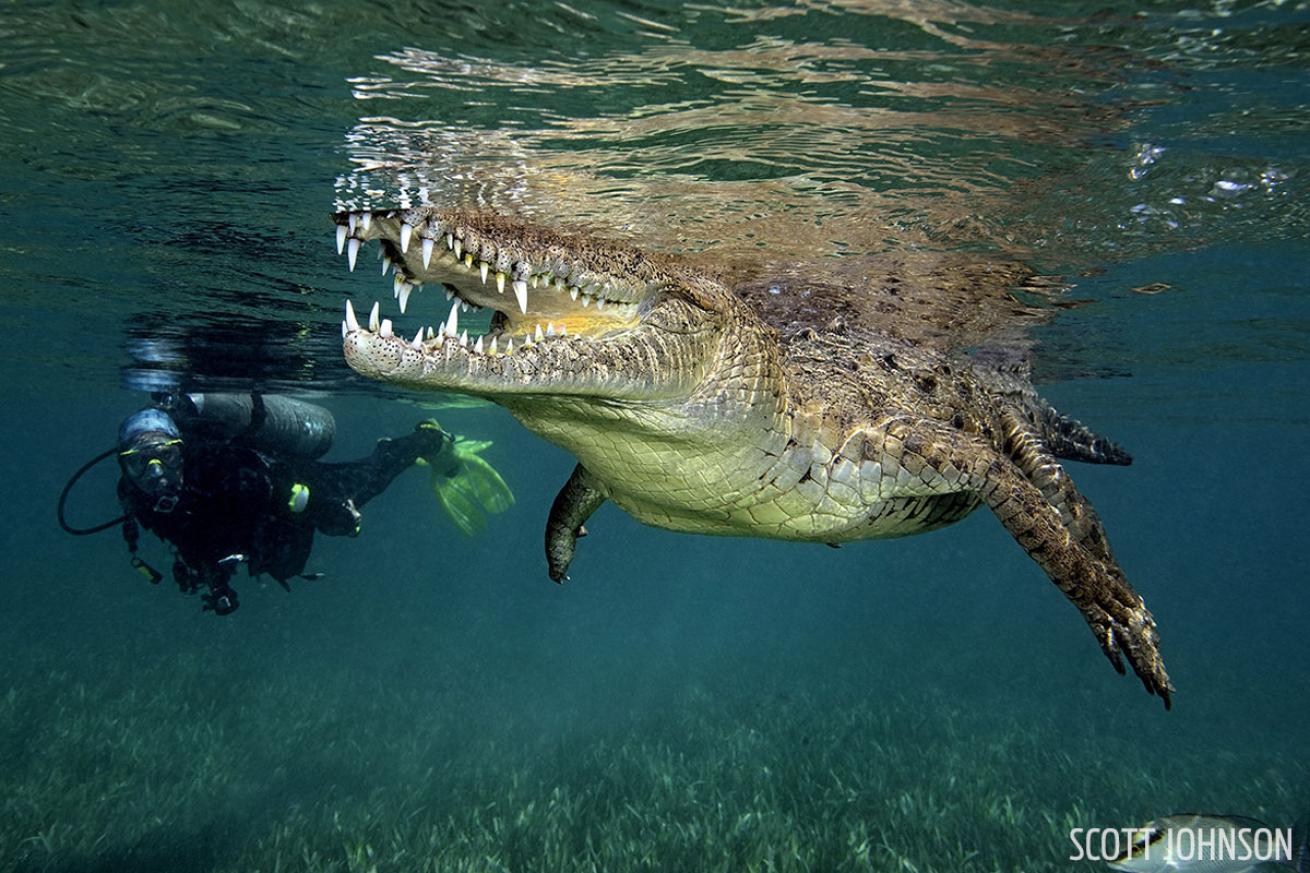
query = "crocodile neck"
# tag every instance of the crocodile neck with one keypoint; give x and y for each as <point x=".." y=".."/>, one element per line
<point x="669" y="461"/>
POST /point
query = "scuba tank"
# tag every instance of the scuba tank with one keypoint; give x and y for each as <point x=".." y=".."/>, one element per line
<point x="274" y="424"/>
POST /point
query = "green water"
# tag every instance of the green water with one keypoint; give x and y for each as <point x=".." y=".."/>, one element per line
<point x="685" y="703"/>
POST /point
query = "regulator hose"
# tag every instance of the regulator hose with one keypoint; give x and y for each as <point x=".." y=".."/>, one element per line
<point x="63" y="498"/>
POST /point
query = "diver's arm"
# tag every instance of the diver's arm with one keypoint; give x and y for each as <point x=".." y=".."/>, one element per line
<point x="132" y="536"/>
<point x="131" y="526"/>
<point x="131" y="532"/>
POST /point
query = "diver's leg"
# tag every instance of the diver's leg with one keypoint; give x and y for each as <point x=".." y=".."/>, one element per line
<point x="338" y="491"/>
<point x="282" y="548"/>
<point x="576" y="501"/>
<point x="1073" y="555"/>
<point x="367" y="478"/>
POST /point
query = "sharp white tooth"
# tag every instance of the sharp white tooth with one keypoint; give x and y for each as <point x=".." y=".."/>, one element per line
<point x="463" y="306"/>
<point x="452" y="323"/>
<point x="450" y="241"/>
<point x="385" y="329"/>
<point x="521" y="292"/>
<point x="500" y="282"/>
<point x="351" y="321"/>
<point x="464" y="339"/>
<point x="366" y="220"/>
<point x="431" y="332"/>
<point x="352" y="219"/>
<point x="396" y="282"/>
<point x="537" y="336"/>
<point x="573" y="293"/>
<point x="477" y="346"/>
<point x="427" y="252"/>
<point x="417" y="341"/>
<point x="352" y="252"/>
<point x="533" y="280"/>
<point x="468" y="260"/>
<point x="509" y="347"/>
<point x="341" y="238"/>
<point x="404" y="296"/>
<point x="373" y="316"/>
<point x="459" y="248"/>
<point x="386" y="264"/>
<point x="405" y="231"/>
<point x="483" y="267"/>
<point x="586" y="301"/>
<point x="527" y="341"/>
<point x="550" y="328"/>
<point x="600" y="304"/>
<point x="343" y="330"/>
<point x="450" y="295"/>
<point x="440" y="340"/>
<point x="494" y="345"/>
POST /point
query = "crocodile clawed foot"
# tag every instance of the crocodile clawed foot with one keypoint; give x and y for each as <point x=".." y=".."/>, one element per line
<point x="1133" y="635"/>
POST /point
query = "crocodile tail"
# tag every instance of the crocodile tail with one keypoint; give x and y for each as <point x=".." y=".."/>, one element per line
<point x="1071" y="440"/>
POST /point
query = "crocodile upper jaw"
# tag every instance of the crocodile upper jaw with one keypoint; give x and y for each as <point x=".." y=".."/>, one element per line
<point x="568" y="315"/>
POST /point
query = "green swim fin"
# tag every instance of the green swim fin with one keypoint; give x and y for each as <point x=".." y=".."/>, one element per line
<point x="467" y="487"/>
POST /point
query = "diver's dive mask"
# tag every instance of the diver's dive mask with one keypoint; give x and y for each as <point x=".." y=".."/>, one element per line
<point x="154" y="464"/>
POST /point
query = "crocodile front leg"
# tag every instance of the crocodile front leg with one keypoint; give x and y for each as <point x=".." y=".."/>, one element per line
<point x="1073" y="553"/>
<point x="577" y="500"/>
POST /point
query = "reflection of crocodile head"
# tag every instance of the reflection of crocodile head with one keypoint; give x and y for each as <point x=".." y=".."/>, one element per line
<point x="790" y="409"/>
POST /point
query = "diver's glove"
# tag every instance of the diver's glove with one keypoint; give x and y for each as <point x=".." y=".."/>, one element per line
<point x="467" y="487"/>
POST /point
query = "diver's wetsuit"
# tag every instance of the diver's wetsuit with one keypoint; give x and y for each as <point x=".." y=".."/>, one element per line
<point x="236" y="504"/>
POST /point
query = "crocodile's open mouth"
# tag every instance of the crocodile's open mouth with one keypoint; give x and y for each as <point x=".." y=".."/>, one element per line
<point x="540" y="286"/>
<point x="570" y="315"/>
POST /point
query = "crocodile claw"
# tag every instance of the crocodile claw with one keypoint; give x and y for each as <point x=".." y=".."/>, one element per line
<point x="1134" y="636"/>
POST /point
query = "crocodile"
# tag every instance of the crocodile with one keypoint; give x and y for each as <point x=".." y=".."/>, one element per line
<point x="751" y="405"/>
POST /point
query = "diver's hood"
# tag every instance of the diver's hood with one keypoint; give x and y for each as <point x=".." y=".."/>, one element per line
<point x="146" y="421"/>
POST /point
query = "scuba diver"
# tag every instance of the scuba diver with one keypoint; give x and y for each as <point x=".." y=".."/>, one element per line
<point x="232" y="479"/>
